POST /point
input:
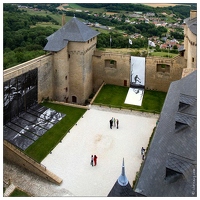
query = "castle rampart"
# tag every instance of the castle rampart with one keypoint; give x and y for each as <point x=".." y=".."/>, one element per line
<point x="45" y="74"/>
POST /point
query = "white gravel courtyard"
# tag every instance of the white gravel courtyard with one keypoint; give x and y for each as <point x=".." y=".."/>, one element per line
<point x="70" y="160"/>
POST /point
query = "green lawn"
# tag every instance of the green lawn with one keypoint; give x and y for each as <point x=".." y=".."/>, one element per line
<point x="74" y="6"/>
<point x="114" y="96"/>
<point x="46" y="143"/>
<point x="163" y="54"/>
<point x="18" y="193"/>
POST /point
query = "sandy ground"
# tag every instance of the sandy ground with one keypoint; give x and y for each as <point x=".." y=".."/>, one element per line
<point x="70" y="160"/>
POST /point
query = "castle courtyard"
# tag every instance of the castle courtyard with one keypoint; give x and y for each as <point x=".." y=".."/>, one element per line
<point x="70" y="159"/>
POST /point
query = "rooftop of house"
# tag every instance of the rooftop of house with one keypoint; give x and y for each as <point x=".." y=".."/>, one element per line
<point x="171" y="162"/>
<point x="192" y="24"/>
<point x="73" y="31"/>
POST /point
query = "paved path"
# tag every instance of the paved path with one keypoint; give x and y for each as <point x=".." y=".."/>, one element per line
<point x="70" y="160"/>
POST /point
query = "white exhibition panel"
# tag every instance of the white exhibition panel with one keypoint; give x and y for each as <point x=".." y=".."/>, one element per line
<point x="137" y="70"/>
<point x="137" y="81"/>
<point x="134" y="96"/>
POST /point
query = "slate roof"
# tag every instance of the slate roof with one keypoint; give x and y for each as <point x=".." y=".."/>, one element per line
<point x="123" y="191"/>
<point x="170" y="167"/>
<point x="192" y="24"/>
<point x="72" y="31"/>
<point x="122" y="187"/>
<point x="181" y="48"/>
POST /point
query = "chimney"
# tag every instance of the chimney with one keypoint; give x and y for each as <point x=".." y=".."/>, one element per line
<point x="63" y="20"/>
<point x="193" y="14"/>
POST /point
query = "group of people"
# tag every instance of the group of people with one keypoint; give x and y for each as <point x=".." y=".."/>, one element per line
<point x="93" y="161"/>
<point x="114" y="123"/>
<point x="143" y="153"/>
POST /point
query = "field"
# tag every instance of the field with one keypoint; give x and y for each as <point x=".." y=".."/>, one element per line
<point x="163" y="54"/>
<point x="160" y="4"/>
<point x="74" y="6"/>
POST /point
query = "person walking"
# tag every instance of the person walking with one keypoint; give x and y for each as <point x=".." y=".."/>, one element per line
<point x="95" y="160"/>
<point x="142" y="151"/>
<point x="117" y="123"/>
<point x="91" y="162"/>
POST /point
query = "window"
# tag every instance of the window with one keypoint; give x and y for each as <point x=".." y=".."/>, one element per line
<point x="163" y="68"/>
<point x="68" y="56"/>
<point x="111" y="63"/>
<point x="172" y="175"/>
<point x="192" y="59"/>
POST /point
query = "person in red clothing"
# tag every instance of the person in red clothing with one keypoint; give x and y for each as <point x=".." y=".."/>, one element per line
<point x="95" y="160"/>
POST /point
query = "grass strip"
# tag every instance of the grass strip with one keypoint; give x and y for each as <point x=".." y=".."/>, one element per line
<point x="46" y="143"/>
<point x="114" y="96"/>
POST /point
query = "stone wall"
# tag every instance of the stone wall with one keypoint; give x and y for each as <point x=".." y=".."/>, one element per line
<point x="155" y="79"/>
<point x="45" y="74"/>
<point x="111" y="68"/>
<point x="16" y="156"/>
<point x="80" y="70"/>
<point x="118" y="71"/>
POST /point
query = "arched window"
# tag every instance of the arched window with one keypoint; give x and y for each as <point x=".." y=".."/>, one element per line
<point x="74" y="99"/>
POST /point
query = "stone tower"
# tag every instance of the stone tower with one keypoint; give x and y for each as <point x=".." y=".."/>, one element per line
<point x="190" y="39"/>
<point x="72" y="47"/>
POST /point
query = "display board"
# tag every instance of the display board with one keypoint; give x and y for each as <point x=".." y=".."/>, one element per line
<point x="137" y="81"/>
<point x="24" y="119"/>
<point x="137" y="73"/>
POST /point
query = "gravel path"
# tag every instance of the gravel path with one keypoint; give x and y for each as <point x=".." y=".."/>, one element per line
<point x="70" y="160"/>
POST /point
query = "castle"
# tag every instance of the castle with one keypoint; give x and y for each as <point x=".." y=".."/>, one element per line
<point x="73" y="68"/>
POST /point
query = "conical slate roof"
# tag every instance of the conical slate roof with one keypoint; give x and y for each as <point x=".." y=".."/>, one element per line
<point x="122" y="187"/>
<point x="74" y="31"/>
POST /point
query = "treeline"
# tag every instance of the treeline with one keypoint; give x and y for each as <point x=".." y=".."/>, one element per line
<point x="23" y="41"/>
<point x="147" y="30"/>
<point x="182" y="10"/>
<point x="116" y="40"/>
<point x="118" y="6"/>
